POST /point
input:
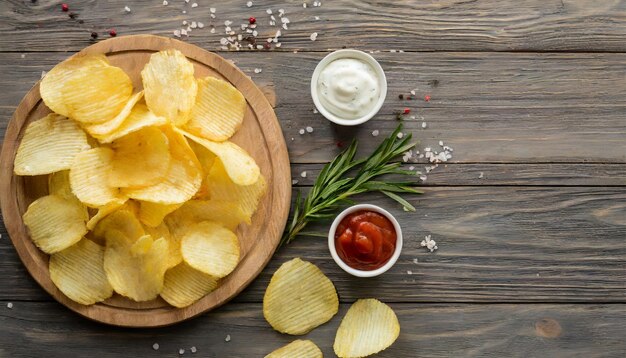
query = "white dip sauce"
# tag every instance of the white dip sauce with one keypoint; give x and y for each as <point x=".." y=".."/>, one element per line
<point x="348" y="88"/>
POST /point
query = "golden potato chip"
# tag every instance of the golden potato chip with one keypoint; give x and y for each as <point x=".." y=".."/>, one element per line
<point x="169" y="85"/>
<point x="181" y="181"/>
<point x="89" y="177"/>
<point x="218" y="112"/>
<point x="247" y="197"/>
<point x="152" y="214"/>
<point x="210" y="248"/>
<point x="55" y="223"/>
<point x="206" y="159"/>
<point x="52" y="85"/>
<point x="103" y="211"/>
<point x="239" y="165"/>
<point x="121" y="221"/>
<point x="59" y="185"/>
<point x="299" y="298"/>
<point x="226" y="213"/>
<point x="78" y="271"/>
<point x="174" y="256"/>
<point x="111" y="125"/>
<point x="135" y="267"/>
<point x="49" y="145"/>
<point x="140" y="159"/>
<point x="185" y="285"/>
<point x="138" y="118"/>
<point x="298" y="348"/>
<point x="369" y="327"/>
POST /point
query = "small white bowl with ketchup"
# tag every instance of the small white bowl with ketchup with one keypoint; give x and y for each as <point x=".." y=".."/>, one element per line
<point x="365" y="240"/>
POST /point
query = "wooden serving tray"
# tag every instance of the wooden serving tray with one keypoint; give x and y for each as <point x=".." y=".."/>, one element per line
<point x="260" y="135"/>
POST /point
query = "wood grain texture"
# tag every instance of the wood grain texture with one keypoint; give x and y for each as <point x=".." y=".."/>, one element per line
<point x="496" y="244"/>
<point x="490" y="107"/>
<point x="595" y="330"/>
<point x="260" y="135"/>
<point x="458" y="25"/>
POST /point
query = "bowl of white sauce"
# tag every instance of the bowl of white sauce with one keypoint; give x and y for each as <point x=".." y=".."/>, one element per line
<point x="348" y="87"/>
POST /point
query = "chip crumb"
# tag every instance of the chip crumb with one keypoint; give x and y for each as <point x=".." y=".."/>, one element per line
<point x="375" y="133"/>
<point x="309" y="129"/>
<point x="303" y="174"/>
<point x="155" y="346"/>
<point x="314" y="36"/>
<point x="10" y="305"/>
<point x="193" y="349"/>
<point x="227" y="339"/>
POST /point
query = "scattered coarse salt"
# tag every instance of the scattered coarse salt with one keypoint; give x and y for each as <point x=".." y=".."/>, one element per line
<point x="200" y="25"/>
<point x="309" y="129"/>
<point x="303" y="174"/>
<point x="165" y="3"/>
<point x="427" y="149"/>
<point x="441" y="143"/>
<point x="304" y="5"/>
<point x="184" y="22"/>
<point x="375" y="133"/>
<point x="212" y="10"/>
<point x="268" y="11"/>
<point x="23" y="55"/>
<point x="429" y="243"/>
<point x="423" y="177"/>
<point x="255" y="33"/>
<point x="177" y="33"/>
<point x="400" y="135"/>
<point x="392" y="51"/>
<point x="415" y="261"/>
<point x="126" y="8"/>
<point x="227" y="339"/>
<point x="317" y="18"/>
<point x="314" y="36"/>
<point x="411" y="167"/>
<point x="181" y="351"/>
<point x="155" y="346"/>
<point x="315" y="111"/>
<point x="184" y="11"/>
<point x="213" y="30"/>
<point x="281" y="12"/>
<point x="423" y="124"/>
<point x="187" y="1"/>
<point x="195" y="4"/>
<point x="301" y="131"/>
<point x="10" y="305"/>
<point x="294" y="182"/>
<point x="413" y="92"/>
<point x="482" y="175"/>
<point x="183" y="32"/>
<point x="249" y="4"/>
<point x="193" y="349"/>
<point x="258" y="70"/>
<point x="409" y="272"/>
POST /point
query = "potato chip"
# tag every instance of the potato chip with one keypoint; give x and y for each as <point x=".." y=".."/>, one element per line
<point x="49" y="145"/>
<point x="210" y="248"/>
<point x="52" y="85"/>
<point x="247" y="197"/>
<point x="89" y="177"/>
<point x="152" y="214"/>
<point x="140" y="159"/>
<point x="138" y="118"/>
<point x="169" y="85"/>
<point x="181" y="181"/>
<point x="59" y="184"/>
<point x="122" y="221"/>
<point x="299" y="298"/>
<point x="135" y="267"/>
<point x="226" y="213"/>
<point x="55" y="223"/>
<point x="174" y="256"/>
<point x="111" y="125"/>
<point x="369" y="327"/>
<point x="206" y="159"/>
<point x="240" y="166"/>
<point x="298" y="348"/>
<point x="78" y="271"/>
<point x="185" y="285"/>
<point x="103" y="211"/>
<point x="218" y="112"/>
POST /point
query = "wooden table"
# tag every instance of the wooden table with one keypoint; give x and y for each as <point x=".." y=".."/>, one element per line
<point x="529" y="214"/>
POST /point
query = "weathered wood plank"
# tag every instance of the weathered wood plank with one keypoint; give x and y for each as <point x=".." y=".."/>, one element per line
<point x="496" y="244"/>
<point x="529" y="25"/>
<point x="497" y="108"/>
<point x="538" y="330"/>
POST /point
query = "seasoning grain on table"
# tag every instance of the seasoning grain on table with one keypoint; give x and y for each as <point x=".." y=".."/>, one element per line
<point x="516" y="247"/>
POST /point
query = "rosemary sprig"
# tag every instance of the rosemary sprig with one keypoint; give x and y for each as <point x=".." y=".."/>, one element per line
<point x="333" y="187"/>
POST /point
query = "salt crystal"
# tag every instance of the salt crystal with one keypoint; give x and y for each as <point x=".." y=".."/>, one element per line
<point x="415" y="261"/>
<point x="155" y="346"/>
<point x="194" y="4"/>
<point x="213" y="16"/>
<point x="304" y="5"/>
<point x="429" y="243"/>
<point x="213" y="30"/>
<point x="303" y="174"/>
<point x="411" y="167"/>
<point x="278" y="44"/>
<point x="400" y="135"/>
<point x="257" y="70"/>
<point x="294" y="182"/>
<point x="423" y="124"/>
<point x="10" y="305"/>
<point x="227" y="23"/>
<point x="165" y="3"/>
<point x="227" y="339"/>
<point x="184" y="11"/>
<point x="193" y="349"/>
<point x="301" y="131"/>
<point x="268" y="11"/>
<point x="183" y="32"/>
<point x="317" y="18"/>
<point x="200" y="25"/>
<point x="441" y="143"/>
<point x="314" y="36"/>
<point x="281" y="12"/>
<point x="427" y="149"/>
<point x="249" y="4"/>
<point x="254" y="33"/>
<point x="392" y="51"/>
<point x="409" y="272"/>
<point x="315" y="110"/>
<point x="482" y="175"/>
<point x="287" y="28"/>
<point x="181" y="351"/>
<point x="177" y="33"/>
<point x="285" y="20"/>
<point x="259" y="47"/>
<point x="187" y="1"/>
<point x="126" y="8"/>
<point x="184" y="22"/>
<point x="309" y="129"/>
<point x="413" y="92"/>
<point x="194" y="24"/>
<point x="227" y="29"/>
<point x="423" y="177"/>
<point x="223" y="41"/>
<point x="23" y="56"/>
<point x="212" y="10"/>
<point x="375" y="133"/>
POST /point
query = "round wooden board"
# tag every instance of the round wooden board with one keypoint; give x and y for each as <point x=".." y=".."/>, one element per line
<point x="260" y="135"/>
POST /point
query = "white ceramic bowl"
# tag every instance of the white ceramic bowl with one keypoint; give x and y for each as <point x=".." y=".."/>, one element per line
<point x="359" y="55"/>
<point x="362" y="273"/>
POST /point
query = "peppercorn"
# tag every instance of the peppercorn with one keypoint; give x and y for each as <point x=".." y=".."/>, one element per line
<point x="406" y="111"/>
<point x="267" y="46"/>
<point x="113" y="33"/>
<point x="427" y="98"/>
<point x="94" y="35"/>
<point x="65" y="7"/>
<point x="252" y="20"/>
<point x="401" y="96"/>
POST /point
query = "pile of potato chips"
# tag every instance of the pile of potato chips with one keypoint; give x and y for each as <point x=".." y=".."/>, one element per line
<point x="145" y="190"/>
<point x="300" y="298"/>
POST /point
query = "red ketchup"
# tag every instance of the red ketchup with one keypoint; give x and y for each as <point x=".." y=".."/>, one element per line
<point x="365" y="240"/>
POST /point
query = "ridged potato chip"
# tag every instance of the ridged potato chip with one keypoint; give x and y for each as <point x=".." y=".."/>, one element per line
<point x="247" y="197"/>
<point x="169" y="85"/>
<point x="56" y="223"/>
<point x="298" y="348"/>
<point x="181" y="181"/>
<point x="89" y="177"/>
<point x="103" y="211"/>
<point x="226" y="213"/>
<point x="240" y="166"/>
<point x="59" y="185"/>
<point x="50" y="144"/>
<point x="218" y="112"/>
<point x="140" y="159"/>
<point x="121" y="221"/>
<point x="139" y="117"/>
<point x="185" y="285"/>
<point x="174" y="256"/>
<point x="368" y="327"/>
<point x="53" y="83"/>
<point x="135" y="267"/>
<point x="206" y="159"/>
<point x="299" y="298"/>
<point x="78" y="271"/>
<point x="152" y="214"/>
<point x="210" y="248"/>
<point x="110" y="126"/>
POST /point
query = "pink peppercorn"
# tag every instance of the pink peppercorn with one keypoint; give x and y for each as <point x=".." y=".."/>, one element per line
<point x="65" y="7"/>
